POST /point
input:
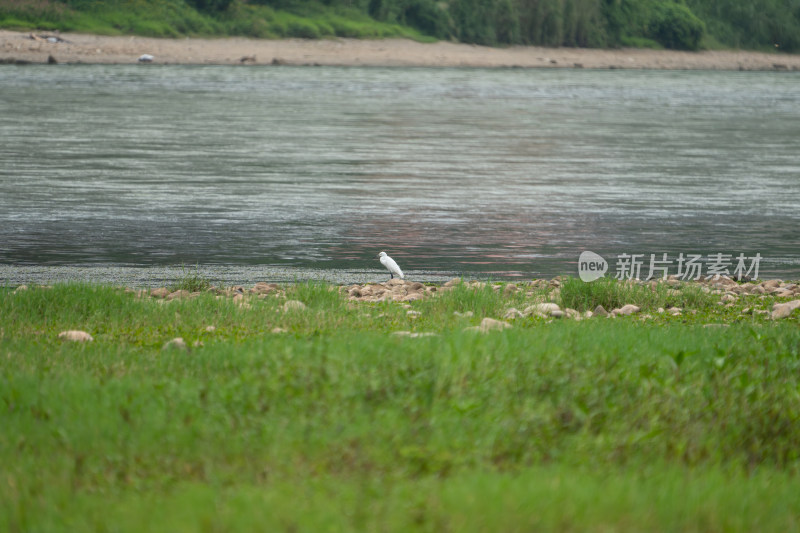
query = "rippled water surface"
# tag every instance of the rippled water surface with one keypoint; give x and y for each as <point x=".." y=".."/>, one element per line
<point x="483" y="172"/>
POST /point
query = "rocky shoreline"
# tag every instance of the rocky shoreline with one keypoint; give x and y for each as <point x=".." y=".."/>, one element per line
<point x="54" y="48"/>
<point x="542" y="295"/>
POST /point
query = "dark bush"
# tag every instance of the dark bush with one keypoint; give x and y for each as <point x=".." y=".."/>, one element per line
<point x="675" y="26"/>
<point x="210" y="6"/>
<point x="427" y="17"/>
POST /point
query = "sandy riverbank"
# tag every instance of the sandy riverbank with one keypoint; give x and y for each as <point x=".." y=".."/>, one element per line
<point x="18" y="47"/>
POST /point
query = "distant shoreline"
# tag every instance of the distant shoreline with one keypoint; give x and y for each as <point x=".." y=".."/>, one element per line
<point x="34" y="47"/>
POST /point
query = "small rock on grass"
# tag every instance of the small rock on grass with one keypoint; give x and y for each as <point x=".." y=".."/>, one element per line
<point x="414" y="334"/>
<point x="294" y="305"/>
<point x="625" y="310"/>
<point x="489" y="324"/>
<point x="264" y="288"/>
<point x="175" y="344"/>
<point x="75" y="335"/>
<point x="513" y="313"/>
<point x="543" y="309"/>
<point x="600" y="311"/>
<point x="783" y="310"/>
<point x="178" y="295"/>
<point x="161" y="292"/>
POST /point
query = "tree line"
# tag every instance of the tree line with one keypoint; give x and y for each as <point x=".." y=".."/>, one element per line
<point x="675" y="24"/>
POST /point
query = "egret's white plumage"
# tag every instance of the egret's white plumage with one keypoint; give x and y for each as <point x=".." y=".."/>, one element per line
<point x="390" y="265"/>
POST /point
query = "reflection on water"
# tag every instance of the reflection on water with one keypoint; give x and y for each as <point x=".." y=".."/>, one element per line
<point x="492" y="172"/>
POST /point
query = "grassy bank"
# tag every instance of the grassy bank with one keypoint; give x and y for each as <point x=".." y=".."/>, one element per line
<point x="284" y="417"/>
<point x="677" y="24"/>
<point x="176" y="18"/>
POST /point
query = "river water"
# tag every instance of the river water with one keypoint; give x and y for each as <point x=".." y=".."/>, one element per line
<point x="303" y="172"/>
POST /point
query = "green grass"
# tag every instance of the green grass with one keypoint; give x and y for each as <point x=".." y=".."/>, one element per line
<point x="337" y="425"/>
<point x="175" y="18"/>
<point x="611" y="294"/>
<point x="192" y="282"/>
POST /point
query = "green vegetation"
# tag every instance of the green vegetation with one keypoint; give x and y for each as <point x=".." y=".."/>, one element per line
<point x="611" y="294"/>
<point x="678" y="24"/>
<point x="192" y="282"/>
<point x="338" y="425"/>
<point x="175" y="18"/>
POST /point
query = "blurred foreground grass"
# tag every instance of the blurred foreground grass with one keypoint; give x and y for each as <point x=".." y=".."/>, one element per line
<point x="338" y="425"/>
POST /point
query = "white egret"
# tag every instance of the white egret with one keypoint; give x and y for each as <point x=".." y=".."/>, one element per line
<point x="390" y="265"/>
